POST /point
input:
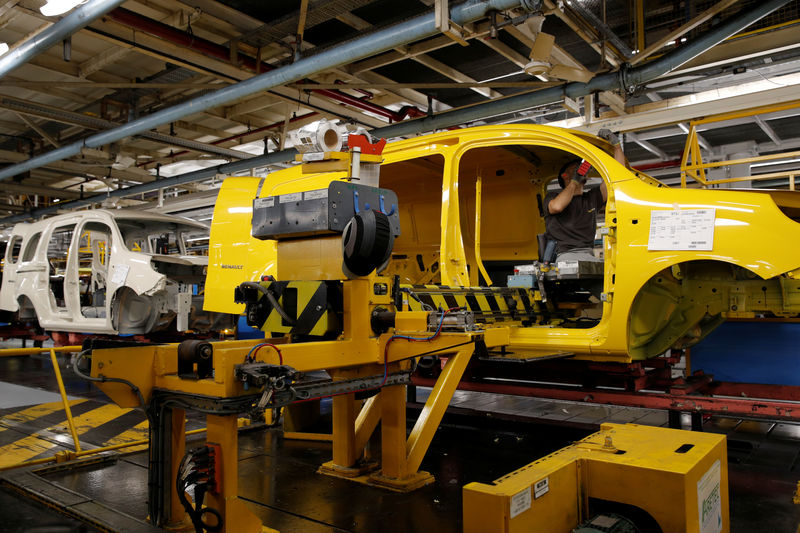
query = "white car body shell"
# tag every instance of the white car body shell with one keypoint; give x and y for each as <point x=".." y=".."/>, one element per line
<point x="27" y="272"/>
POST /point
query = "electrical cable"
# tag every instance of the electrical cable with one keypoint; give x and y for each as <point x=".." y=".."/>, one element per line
<point x="272" y="300"/>
<point x="254" y="350"/>
<point x="197" y="468"/>
<point x="411" y="339"/>
<point x="386" y="357"/>
<point x="104" y="379"/>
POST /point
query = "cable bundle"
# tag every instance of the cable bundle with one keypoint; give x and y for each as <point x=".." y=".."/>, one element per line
<point x="198" y="468"/>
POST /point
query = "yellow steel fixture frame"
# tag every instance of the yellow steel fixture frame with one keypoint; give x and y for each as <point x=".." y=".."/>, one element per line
<point x="692" y="165"/>
<point x="679" y="478"/>
<point x="358" y="353"/>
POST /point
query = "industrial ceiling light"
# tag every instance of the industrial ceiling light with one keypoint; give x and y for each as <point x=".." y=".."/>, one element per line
<point x="57" y="7"/>
<point x="3" y="48"/>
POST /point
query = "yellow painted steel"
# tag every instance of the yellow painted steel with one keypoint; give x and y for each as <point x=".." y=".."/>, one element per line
<point x="478" y="259"/>
<point x="431" y="415"/>
<point x="344" y="419"/>
<point x="63" y="392"/>
<point x="411" y="321"/>
<point x="8" y="352"/>
<point x="445" y="233"/>
<point x="233" y="255"/>
<point x="367" y="420"/>
<point x="430" y="174"/>
<point x="300" y="435"/>
<point x="236" y="516"/>
<point x="696" y="168"/>
<point x="679" y="478"/>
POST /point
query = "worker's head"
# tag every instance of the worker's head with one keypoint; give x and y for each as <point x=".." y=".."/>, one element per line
<point x="567" y="171"/>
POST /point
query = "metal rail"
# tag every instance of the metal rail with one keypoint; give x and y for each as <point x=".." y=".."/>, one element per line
<point x="728" y="406"/>
<point x="692" y="165"/>
<point x="626" y="79"/>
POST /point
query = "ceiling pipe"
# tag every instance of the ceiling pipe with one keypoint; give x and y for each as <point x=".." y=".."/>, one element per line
<point x="373" y="43"/>
<point x="658" y="165"/>
<point x="256" y="131"/>
<point x="181" y="38"/>
<point x="77" y="19"/>
<point x="624" y="79"/>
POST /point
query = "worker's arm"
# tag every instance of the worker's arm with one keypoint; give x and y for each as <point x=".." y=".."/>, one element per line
<point x="562" y="200"/>
<point x="603" y="189"/>
<point x="619" y="156"/>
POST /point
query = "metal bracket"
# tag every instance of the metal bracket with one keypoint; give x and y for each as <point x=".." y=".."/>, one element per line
<point x="447" y="26"/>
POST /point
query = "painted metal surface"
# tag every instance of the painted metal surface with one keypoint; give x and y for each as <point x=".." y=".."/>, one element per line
<point x="436" y="206"/>
<point x="348" y="52"/>
<point x="728" y="353"/>
<point x="69" y="24"/>
<point x="34" y="276"/>
<point x="735" y="399"/>
<point x="630" y="464"/>
<point x="622" y="80"/>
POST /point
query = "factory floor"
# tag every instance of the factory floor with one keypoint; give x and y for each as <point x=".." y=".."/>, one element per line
<point x="482" y="437"/>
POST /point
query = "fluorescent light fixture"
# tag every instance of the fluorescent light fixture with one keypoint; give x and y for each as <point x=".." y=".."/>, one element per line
<point x="3" y="48"/>
<point x="777" y="162"/>
<point x="57" y="7"/>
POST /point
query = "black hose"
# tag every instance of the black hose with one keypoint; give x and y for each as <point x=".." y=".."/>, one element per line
<point x="103" y="379"/>
<point x="272" y="300"/>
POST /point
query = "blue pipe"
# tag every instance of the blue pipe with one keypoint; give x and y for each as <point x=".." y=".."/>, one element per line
<point x="348" y="52"/>
<point x="77" y="19"/>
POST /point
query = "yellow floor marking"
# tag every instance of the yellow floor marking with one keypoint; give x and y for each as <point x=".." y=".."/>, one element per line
<point x="37" y="411"/>
<point x="24" y="449"/>
<point x="96" y="417"/>
<point x="28" y="447"/>
<point x="138" y="432"/>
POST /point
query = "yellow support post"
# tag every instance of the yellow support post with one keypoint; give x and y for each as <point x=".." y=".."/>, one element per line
<point x="401" y="457"/>
<point x="394" y="466"/>
<point x="367" y="421"/>
<point x="70" y="421"/>
<point x="344" y="433"/>
<point x="478" y="230"/>
<point x="431" y="415"/>
<point x="640" y="42"/>
<point x="236" y="517"/>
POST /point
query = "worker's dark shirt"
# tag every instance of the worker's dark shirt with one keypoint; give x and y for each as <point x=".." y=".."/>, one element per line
<point x="576" y="225"/>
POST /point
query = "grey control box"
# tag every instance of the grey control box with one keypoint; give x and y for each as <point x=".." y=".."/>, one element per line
<point x="321" y="211"/>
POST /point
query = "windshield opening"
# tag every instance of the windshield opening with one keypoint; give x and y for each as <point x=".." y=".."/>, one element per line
<point x="163" y="238"/>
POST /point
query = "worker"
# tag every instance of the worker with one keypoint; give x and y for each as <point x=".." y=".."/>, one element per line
<point x="571" y="214"/>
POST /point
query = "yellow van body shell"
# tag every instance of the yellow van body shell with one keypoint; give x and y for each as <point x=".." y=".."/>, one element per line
<point x="750" y="230"/>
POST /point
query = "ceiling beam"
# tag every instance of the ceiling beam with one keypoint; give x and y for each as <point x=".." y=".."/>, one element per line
<point x="35" y="127"/>
<point x="766" y="128"/>
<point x="689" y="26"/>
<point x="650" y="147"/>
<point x="777" y="90"/>
<point x="591" y="40"/>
